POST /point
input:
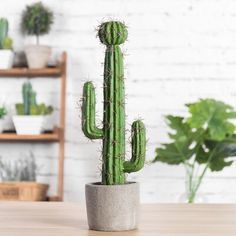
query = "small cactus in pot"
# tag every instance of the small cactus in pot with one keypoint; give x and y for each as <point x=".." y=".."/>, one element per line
<point x="6" y="53"/>
<point x="114" y="165"/>
<point x="30" y="118"/>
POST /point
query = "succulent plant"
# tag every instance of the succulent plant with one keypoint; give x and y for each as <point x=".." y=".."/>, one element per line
<point x="36" y="20"/>
<point x="114" y="166"/>
<point x="29" y="105"/>
<point x="5" y="41"/>
<point x="41" y="109"/>
<point x="3" y="112"/>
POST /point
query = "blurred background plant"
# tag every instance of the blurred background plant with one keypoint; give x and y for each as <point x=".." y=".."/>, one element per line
<point x="24" y="169"/>
<point x="29" y="105"/>
<point x="6" y="52"/>
<point x="5" y="41"/>
<point x="3" y="112"/>
<point x="205" y="138"/>
<point x="37" y="20"/>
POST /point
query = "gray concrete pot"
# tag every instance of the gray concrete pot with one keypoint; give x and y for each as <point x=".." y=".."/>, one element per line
<point x="112" y="207"/>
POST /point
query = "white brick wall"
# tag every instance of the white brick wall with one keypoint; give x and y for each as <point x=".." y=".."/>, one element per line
<point x="177" y="52"/>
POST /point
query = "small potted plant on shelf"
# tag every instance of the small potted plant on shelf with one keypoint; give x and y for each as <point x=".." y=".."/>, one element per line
<point x="19" y="180"/>
<point x="202" y="141"/>
<point x="30" y="118"/>
<point x="37" y="20"/>
<point x="113" y="203"/>
<point x="6" y="53"/>
<point x="3" y="113"/>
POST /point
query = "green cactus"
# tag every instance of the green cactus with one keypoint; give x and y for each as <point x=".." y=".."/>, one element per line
<point x="29" y="105"/>
<point x="114" y="165"/>
<point x="3" y="31"/>
<point x="5" y="41"/>
<point x="29" y="97"/>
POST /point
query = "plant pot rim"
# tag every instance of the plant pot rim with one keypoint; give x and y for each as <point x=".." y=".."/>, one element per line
<point x="99" y="185"/>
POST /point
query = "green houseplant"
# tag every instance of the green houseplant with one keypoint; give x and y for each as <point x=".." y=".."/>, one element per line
<point x="37" y="20"/>
<point x="6" y="53"/>
<point x="18" y="180"/>
<point x="3" y="113"/>
<point x="113" y="192"/>
<point x="202" y="141"/>
<point x="30" y="118"/>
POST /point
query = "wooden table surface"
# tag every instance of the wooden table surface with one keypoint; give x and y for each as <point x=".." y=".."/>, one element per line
<point x="69" y="219"/>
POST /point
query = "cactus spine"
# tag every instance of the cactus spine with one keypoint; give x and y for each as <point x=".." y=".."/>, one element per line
<point x="114" y="166"/>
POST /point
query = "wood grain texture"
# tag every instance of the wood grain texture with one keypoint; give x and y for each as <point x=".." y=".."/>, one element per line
<point x="60" y="181"/>
<point x="69" y="219"/>
<point x="44" y="137"/>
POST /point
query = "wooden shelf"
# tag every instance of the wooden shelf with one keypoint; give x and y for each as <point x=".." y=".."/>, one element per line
<point x="44" y="137"/>
<point x="53" y="199"/>
<point x="58" y="135"/>
<point x="26" y="72"/>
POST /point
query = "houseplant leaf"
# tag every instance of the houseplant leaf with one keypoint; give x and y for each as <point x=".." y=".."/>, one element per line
<point x="180" y="150"/>
<point x="220" y="152"/>
<point x="213" y="115"/>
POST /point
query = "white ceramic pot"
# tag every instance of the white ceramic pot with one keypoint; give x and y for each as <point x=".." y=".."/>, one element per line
<point x="28" y="124"/>
<point x="37" y="56"/>
<point x="6" y="58"/>
<point x="49" y="122"/>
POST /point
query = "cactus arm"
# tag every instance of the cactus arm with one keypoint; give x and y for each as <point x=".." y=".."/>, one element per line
<point x="88" y="113"/>
<point x="138" y="148"/>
